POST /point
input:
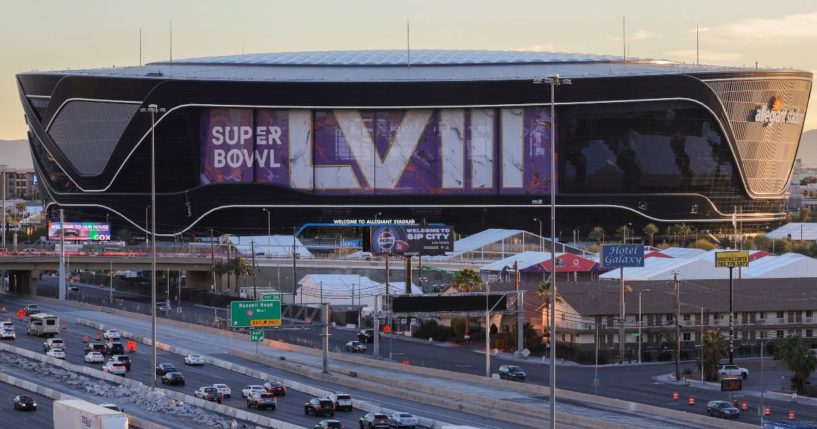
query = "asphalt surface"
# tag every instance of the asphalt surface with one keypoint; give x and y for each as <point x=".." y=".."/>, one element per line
<point x="626" y="382"/>
<point x="41" y="418"/>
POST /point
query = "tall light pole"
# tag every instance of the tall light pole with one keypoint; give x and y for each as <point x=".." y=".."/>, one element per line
<point x="640" y="322"/>
<point x="269" y="236"/>
<point x="541" y="239"/>
<point x="553" y="81"/>
<point x="147" y="226"/>
<point x="153" y="110"/>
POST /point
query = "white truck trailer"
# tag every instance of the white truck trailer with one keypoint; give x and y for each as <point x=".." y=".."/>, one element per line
<point x="79" y="414"/>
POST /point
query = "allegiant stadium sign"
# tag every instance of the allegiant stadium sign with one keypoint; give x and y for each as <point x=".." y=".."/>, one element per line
<point x="773" y="113"/>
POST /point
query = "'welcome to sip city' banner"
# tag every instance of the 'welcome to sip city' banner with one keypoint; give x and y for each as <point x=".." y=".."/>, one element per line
<point x="412" y="240"/>
<point x="418" y="151"/>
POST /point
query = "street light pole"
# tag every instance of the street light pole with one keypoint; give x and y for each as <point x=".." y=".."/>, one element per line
<point x="153" y="110"/>
<point x="640" y="322"/>
<point x="269" y="236"/>
<point x="541" y="239"/>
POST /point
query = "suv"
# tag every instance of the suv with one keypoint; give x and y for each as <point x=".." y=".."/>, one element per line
<point x="95" y="347"/>
<point x="124" y="360"/>
<point x="259" y="400"/>
<point x="115" y="348"/>
<point x="733" y="371"/>
<point x="164" y="368"/>
<point x="722" y="409"/>
<point x="320" y="406"/>
<point x="511" y="372"/>
<point x="209" y="393"/>
<point x="374" y="421"/>
<point x="111" y="334"/>
<point x="115" y="368"/>
<point x="31" y="309"/>
<point x="366" y="336"/>
<point x="341" y="401"/>
<point x="53" y="342"/>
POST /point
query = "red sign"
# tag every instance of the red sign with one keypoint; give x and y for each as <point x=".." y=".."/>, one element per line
<point x="21" y="313"/>
<point x="387" y="329"/>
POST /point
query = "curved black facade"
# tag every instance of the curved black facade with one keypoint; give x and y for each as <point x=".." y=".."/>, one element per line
<point x="467" y="143"/>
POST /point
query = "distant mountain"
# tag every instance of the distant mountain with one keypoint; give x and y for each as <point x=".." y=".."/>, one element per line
<point x="15" y="154"/>
<point x="808" y="148"/>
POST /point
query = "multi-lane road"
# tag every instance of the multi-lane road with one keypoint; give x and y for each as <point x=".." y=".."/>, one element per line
<point x="41" y="418"/>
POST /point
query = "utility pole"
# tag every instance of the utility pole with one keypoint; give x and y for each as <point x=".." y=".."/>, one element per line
<point x="254" y="289"/>
<point x="61" y="292"/>
<point x="325" y="342"/>
<point x="677" y="326"/>
<point x="376" y="330"/>
<point x="294" y="274"/>
<point x="520" y="315"/>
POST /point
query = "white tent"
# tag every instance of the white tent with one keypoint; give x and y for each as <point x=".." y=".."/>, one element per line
<point x="337" y="289"/>
<point x="272" y="246"/>
<point x="789" y="265"/>
<point x="700" y="267"/>
<point x="806" y="231"/>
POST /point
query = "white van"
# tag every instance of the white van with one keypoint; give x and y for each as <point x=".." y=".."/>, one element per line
<point x="43" y="325"/>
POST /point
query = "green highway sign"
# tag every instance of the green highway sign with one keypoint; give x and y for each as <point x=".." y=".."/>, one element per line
<point x="271" y="297"/>
<point x="251" y="314"/>
<point x="256" y="335"/>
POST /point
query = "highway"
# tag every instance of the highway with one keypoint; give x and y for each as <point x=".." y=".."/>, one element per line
<point x="42" y="418"/>
<point x="627" y="382"/>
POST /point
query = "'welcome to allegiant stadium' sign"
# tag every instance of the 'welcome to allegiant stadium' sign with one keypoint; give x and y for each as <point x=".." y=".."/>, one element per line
<point x="419" y="151"/>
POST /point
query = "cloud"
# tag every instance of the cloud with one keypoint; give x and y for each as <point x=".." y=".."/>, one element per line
<point x="707" y="56"/>
<point x="774" y="30"/>
<point x="641" y="35"/>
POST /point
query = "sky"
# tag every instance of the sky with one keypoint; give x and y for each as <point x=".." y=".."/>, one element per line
<point x="58" y="35"/>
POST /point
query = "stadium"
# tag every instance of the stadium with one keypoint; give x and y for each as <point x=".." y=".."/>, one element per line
<point x="456" y="137"/>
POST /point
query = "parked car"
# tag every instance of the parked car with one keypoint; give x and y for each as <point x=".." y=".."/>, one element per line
<point x="259" y="400"/>
<point x="173" y="378"/>
<point x="114" y="407"/>
<point x="114" y="348"/>
<point x="341" y="401"/>
<point x="164" y="368"/>
<point x="355" y="347"/>
<point x="374" y="421"/>
<point x="94" y="357"/>
<point x="116" y="368"/>
<point x="194" y="359"/>
<point x="733" y="371"/>
<point x="402" y="421"/>
<point x="96" y="347"/>
<point x="366" y="335"/>
<point x="53" y="342"/>
<point x="722" y="409"/>
<point x="56" y="352"/>
<point x="24" y="402"/>
<point x="124" y="360"/>
<point x="111" y="334"/>
<point x="224" y="389"/>
<point x="252" y="388"/>
<point x="7" y="334"/>
<point x="329" y="424"/>
<point x="511" y="372"/>
<point x="30" y="309"/>
<point x="275" y="388"/>
<point x="319" y="407"/>
<point x="209" y="393"/>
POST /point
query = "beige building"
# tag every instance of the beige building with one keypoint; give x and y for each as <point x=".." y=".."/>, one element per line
<point x="20" y="183"/>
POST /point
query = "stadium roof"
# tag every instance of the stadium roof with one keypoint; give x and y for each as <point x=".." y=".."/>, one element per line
<point x="399" y="66"/>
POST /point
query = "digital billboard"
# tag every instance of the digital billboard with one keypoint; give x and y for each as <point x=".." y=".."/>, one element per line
<point x="80" y="231"/>
<point x="413" y="151"/>
<point x="412" y="240"/>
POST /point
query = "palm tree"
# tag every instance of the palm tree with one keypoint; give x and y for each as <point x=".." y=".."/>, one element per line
<point x="239" y="266"/>
<point x="714" y="349"/>
<point x="650" y="229"/>
<point x="683" y="230"/>
<point x="796" y="357"/>
<point x="597" y="234"/>
<point x="21" y="208"/>
<point x="543" y="292"/>
<point x="467" y="280"/>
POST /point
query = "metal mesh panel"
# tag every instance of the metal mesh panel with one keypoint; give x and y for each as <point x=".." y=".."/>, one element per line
<point x="39" y="104"/>
<point x="87" y="132"/>
<point x="766" y="149"/>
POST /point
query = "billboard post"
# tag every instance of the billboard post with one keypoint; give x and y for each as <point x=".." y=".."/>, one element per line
<point x="620" y="256"/>
<point x="731" y="260"/>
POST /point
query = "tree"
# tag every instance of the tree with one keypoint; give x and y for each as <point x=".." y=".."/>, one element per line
<point x="21" y="208"/>
<point x="239" y="266"/>
<point x="650" y="229"/>
<point x="623" y="231"/>
<point x="805" y="214"/>
<point x="543" y="292"/>
<point x="714" y="349"/>
<point x="795" y="356"/>
<point x="597" y="234"/>
<point x="808" y="180"/>
<point x="467" y="280"/>
<point x="683" y="230"/>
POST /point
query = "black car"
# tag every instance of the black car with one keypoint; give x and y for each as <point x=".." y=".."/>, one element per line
<point x="722" y="409"/>
<point x="96" y="347"/>
<point x="173" y="378"/>
<point x="115" y="348"/>
<point x="164" y="368"/>
<point x="366" y="335"/>
<point x="24" y="402"/>
<point x="320" y="407"/>
<point x="511" y="372"/>
<point x="374" y="421"/>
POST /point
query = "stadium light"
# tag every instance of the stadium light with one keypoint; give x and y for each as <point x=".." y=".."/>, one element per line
<point x="153" y="110"/>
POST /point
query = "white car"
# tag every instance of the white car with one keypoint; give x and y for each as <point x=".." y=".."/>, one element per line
<point x="6" y="325"/>
<point x="116" y="368"/>
<point x="224" y="390"/>
<point x="53" y="343"/>
<point x="111" y="334"/>
<point x="252" y="388"/>
<point x="733" y="371"/>
<point x="402" y="420"/>
<point x="94" y="357"/>
<point x="194" y="359"/>
<point x="7" y="334"/>
<point x="56" y="352"/>
<point x="342" y="401"/>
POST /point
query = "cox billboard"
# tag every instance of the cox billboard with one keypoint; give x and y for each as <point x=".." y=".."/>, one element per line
<point x="80" y="231"/>
<point x="412" y="240"/>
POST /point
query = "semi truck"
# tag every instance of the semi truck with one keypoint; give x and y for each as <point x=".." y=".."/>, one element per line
<point x="79" y="414"/>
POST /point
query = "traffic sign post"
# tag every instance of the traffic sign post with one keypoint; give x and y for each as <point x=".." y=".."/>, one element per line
<point x="256" y="335"/>
<point x="254" y="314"/>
